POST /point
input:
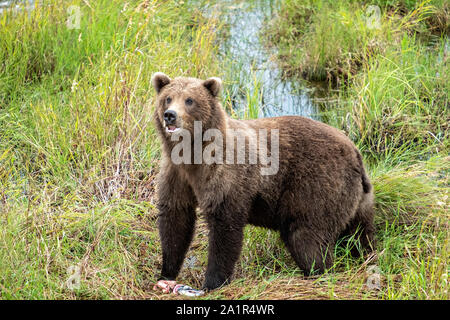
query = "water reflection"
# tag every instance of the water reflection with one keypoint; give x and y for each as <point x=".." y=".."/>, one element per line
<point x="251" y="71"/>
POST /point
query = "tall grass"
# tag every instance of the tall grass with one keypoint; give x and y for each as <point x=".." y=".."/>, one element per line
<point x="332" y="40"/>
<point x="75" y="102"/>
<point x="400" y="101"/>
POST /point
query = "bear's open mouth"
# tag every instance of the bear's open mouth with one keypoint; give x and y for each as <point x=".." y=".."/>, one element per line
<point x="171" y="129"/>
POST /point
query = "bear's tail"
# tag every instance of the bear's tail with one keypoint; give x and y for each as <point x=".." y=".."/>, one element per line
<point x="367" y="186"/>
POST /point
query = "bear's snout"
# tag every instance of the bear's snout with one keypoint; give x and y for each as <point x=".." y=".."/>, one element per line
<point x="170" y="117"/>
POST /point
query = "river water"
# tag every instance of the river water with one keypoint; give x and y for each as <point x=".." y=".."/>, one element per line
<point x="16" y="4"/>
<point x="251" y="67"/>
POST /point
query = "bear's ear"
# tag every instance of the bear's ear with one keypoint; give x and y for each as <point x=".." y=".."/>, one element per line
<point x="159" y="80"/>
<point x="214" y="85"/>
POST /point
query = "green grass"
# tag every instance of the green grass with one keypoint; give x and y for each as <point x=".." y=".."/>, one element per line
<point x="399" y="103"/>
<point x="332" y="40"/>
<point x="79" y="153"/>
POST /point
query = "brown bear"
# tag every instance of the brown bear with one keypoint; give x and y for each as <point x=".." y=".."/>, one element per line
<point x="317" y="193"/>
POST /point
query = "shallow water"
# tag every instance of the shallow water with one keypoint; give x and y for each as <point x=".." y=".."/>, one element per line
<point x="15" y="4"/>
<point x="252" y="72"/>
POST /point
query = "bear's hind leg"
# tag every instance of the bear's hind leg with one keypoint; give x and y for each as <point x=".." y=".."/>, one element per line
<point x="361" y="228"/>
<point x="311" y="253"/>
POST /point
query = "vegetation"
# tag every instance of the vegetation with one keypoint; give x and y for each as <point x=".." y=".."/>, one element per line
<point x="332" y="40"/>
<point x="78" y="151"/>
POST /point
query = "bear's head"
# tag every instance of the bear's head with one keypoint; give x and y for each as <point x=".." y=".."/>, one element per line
<point x="181" y="101"/>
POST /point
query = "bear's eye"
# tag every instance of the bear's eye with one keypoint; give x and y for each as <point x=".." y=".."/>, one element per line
<point x="168" y="100"/>
<point x="189" y="102"/>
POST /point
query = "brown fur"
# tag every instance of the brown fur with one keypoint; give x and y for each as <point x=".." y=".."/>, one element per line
<point x="320" y="193"/>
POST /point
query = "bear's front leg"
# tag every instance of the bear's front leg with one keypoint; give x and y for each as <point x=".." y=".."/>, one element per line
<point x="176" y="229"/>
<point x="176" y="204"/>
<point x="226" y="232"/>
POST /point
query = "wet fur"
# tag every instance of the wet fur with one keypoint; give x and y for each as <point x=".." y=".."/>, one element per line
<point x="320" y="193"/>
